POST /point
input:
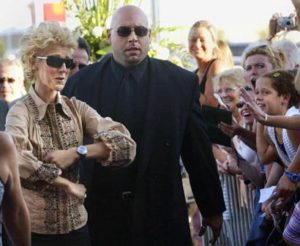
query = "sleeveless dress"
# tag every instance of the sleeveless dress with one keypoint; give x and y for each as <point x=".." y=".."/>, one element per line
<point x="202" y="83"/>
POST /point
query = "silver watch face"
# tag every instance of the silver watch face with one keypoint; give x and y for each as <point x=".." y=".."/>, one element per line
<point x="81" y="150"/>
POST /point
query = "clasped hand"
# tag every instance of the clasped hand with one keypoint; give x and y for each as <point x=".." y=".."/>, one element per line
<point x="76" y="190"/>
<point x="61" y="158"/>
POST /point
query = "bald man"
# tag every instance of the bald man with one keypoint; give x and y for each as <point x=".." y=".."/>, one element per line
<point x="144" y="203"/>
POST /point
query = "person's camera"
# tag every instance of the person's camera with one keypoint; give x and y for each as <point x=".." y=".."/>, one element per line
<point x="286" y="22"/>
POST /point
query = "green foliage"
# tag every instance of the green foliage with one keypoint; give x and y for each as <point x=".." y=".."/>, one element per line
<point x="92" y="16"/>
<point x="162" y="43"/>
<point x="2" y="48"/>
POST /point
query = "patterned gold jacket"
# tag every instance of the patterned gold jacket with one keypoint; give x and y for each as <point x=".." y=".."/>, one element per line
<point x="39" y="128"/>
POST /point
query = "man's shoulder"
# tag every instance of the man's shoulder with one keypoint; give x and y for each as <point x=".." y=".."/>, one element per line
<point x="85" y="78"/>
<point x="92" y="69"/>
<point x="169" y="66"/>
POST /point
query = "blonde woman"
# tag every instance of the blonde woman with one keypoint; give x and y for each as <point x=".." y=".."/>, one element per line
<point x="48" y="130"/>
<point x="203" y="46"/>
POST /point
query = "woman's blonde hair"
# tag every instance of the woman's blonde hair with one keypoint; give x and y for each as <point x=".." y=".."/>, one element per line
<point x="39" y="40"/>
<point x="275" y="56"/>
<point x="225" y="53"/>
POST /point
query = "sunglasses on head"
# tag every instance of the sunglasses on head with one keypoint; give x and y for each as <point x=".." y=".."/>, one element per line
<point x="125" y="31"/>
<point x="56" y="62"/>
<point x="267" y="48"/>
<point x="248" y="88"/>
<point x="8" y="79"/>
<point x="79" y="65"/>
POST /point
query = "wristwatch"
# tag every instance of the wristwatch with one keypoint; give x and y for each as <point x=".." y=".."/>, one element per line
<point x="293" y="177"/>
<point x="82" y="151"/>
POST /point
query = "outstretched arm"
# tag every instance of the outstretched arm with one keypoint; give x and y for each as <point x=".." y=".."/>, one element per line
<point x="285" y="187"/>
<point x="296" y="4"/>
<point x="288" y="122"/>
<point x="15" y="212"/>
<point x="248" y="137"/>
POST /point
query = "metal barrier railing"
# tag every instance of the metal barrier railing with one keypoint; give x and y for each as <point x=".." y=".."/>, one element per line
<point x="239" y="213"/>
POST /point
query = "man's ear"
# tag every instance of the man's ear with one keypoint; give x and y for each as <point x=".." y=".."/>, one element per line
<point x="109" y="35"/>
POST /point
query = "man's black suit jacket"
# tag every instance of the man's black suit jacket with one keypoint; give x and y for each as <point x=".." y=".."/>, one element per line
<point x="3" y="113"/>
<point x="173" y="127"/>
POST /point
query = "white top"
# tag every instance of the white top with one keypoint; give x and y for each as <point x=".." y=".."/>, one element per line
<point x="245" y="151"/>
<point x="290" y="151"/>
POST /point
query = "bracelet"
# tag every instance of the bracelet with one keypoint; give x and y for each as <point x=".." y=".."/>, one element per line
<point x="266" y="118"/>
<point x="293" y="177"/>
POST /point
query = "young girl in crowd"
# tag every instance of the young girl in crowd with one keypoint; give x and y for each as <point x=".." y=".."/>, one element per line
<point x="276" y="96"/>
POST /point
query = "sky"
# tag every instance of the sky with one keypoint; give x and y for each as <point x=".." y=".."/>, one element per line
<point x="14" y="14"/>
<point x="239" y="19"/>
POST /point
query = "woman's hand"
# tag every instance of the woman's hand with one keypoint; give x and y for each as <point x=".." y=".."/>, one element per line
<point x="273" y="27"/>
<point x="266" y="208"/>
<point x="259" y="115"/>
<point x="285" y="188"/>
<point x="230" y="130"/>
<point x="228" y="166"/>
<point x="62" y="158"/>
<point x="76" y="190"/>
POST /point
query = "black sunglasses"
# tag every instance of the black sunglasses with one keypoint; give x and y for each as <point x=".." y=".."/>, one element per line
<point x="56" y="62"/>
<point x="125" y="31"/>
<point x="9" y="80"/>
<point x="79" y="65"/>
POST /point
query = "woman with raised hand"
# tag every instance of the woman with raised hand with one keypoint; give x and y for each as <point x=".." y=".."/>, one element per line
<point x="48" y="130"/>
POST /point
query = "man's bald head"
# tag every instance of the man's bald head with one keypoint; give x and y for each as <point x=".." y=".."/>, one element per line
<point x="128" y="10"/>
<point x="129" y="35"/>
